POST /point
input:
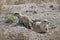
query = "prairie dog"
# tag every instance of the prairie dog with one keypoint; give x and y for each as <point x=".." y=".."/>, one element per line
<point x="26" y="20"/>
<point x="40" y="26"/>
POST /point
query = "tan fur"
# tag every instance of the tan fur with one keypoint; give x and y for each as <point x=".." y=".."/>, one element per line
<point x="40" y="26"/>
<point x="26" y="20"/>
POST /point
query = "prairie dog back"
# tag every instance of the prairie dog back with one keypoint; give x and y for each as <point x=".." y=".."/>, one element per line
<point x="26" y="20"/>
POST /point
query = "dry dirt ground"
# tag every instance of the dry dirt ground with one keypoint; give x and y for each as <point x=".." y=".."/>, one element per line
<point x="16" y="31"/>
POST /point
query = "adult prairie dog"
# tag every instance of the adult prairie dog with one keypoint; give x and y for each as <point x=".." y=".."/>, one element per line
<point x="40" y="26"/>
<point x="26" y="20"/>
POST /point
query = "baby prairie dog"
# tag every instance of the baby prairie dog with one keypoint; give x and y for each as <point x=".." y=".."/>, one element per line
<point x="40" y="26"/>
<point x="24" y="19"/>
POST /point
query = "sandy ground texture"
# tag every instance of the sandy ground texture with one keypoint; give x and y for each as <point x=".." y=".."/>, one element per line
<point x="16" y="31"/>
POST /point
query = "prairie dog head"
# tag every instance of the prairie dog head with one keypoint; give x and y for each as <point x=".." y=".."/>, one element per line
<point x="45" y="24"/>
<point x="45" y="21"/>
<point x="21" y="16"/>
<point x="18" y="14"/>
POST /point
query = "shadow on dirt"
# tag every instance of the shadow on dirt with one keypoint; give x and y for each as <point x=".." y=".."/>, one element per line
<point x="19" y="24"/>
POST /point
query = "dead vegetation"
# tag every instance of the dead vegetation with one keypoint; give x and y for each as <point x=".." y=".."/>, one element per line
<point x="10" y="19"/>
